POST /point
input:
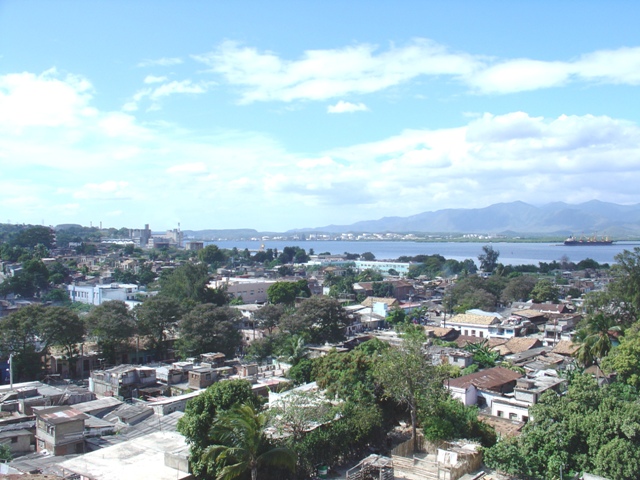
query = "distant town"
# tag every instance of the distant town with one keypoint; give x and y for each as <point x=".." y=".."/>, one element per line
<point x="155" y="348"/>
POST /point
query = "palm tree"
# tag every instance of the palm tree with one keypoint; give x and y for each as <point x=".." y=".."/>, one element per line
<point x="595" y="339"/>
<point x="241" y="445"/>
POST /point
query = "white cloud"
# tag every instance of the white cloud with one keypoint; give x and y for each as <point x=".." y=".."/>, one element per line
<point x="48" y="100"/>
<point x="363" y="69"/>
<point x="164" y="90"/>
<point x="80" y="166"/>
<point x="154" y="79"/>
<point x="161" y="62"/>
<point x="346" y="107"/>
<point x="324" y="74"/>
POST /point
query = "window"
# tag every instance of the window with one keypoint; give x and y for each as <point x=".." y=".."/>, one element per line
<point x="500" y="413"/>
<point x="473" y="333"/>
<point x="513" y="416"/>
<point x="481" y="334"/>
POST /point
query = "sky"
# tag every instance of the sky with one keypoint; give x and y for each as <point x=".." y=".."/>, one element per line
<point x="292" y="114"/>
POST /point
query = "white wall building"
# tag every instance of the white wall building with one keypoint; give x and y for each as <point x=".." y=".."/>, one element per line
<point x="97" y="294"/>
<point x="250" y="289"/>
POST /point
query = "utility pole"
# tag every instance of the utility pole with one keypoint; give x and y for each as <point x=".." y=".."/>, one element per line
<point x="11" y="371"/>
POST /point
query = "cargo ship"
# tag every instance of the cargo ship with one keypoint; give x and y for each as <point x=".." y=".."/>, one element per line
<point x="589" y="241"/>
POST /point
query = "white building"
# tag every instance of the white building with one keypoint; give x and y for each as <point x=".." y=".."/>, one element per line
<point x="383" y="267"/>
<point x="97" y="294"/>
<point x="251" y="290"/>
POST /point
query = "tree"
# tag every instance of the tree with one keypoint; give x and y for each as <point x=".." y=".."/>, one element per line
<point x="518" y="289"/>
<point x="112" y="325"/>
<point x="587" y="429"/>
<point x="32" y="236"/>
<point x="321" y="319"/>
<point x="406" y="376"/>
<point x="200" y="414"/>
<point x="367" y="256"/>
<point x="63" y="328"/>
<point x="396" y="316"/>
<point x="241" y="445"/>
<point x="269" y="316"/>
<point x="208" y="328"/>
<point x="625" y="359"/>
<point x="158" y="316"/>
<point x="189" y="285"/>
<point x="383" y="289"/>
<point x="211" y="255"/>
<point x="594" y="338"/>
<point x="488" y="259"/>
<point x="19" y="336"/>
<point x="287" y="292"/>
<point x="545" y="291"/>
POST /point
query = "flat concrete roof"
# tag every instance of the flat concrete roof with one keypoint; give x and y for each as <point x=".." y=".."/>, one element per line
<point x="143" y="457"/>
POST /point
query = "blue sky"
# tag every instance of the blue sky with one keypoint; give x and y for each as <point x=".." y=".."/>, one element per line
<point x="280" y="115"/>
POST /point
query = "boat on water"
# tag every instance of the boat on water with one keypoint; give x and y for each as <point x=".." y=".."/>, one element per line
<point x="589" y="241"/>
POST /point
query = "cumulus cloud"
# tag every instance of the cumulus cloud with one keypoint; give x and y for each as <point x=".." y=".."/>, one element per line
<point x="325" y="74"/>
<point x="346" y="107"/>
<point x="59" y="165"/>
<point x="49" y="99"/>
<point x="164" y="90"/>
<point x="154" y="79"/>
<point x="364" y="69"/>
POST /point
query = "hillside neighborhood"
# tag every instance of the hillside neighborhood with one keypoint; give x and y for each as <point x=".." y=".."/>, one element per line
<point x="126" y="354"/>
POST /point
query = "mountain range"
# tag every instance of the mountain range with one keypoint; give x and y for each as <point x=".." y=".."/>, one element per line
<point x="514" y="218"/>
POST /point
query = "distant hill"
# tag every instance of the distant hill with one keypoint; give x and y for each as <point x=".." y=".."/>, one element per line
<point x="589" y="218"/>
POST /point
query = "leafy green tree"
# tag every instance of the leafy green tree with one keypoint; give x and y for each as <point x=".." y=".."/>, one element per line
<point x="625" y="359"/>
<point x="396" y="316"/>
<point x="407" y="377"/>
<point x="188" y="284"/>
<point x="367" y="256"/>
<point x="287" y="292"/>
<point x="383" y="289"/>
<point x="545" y="291"/>
<point x="482" y="354"/>
<point x="587" y="429"/>
<point x="449" y="419"/>
<point x="369" y="275"/>
<point x="519" y="288"/>
<point x="320" y="319"/>
<point x="212" y="255"/>
<point x="32" y="236"/>
<point x="200" y="413"/>
<point x="112" y="325"/>
<point x="208" y="328"/>
<point x="157" y="317"/>
<point x="19" y="336"/>
<point x="63" y="328"/>
<point x="268" y="317"/>
<point x="241" y="445"/>
<point x="488" y="258"/>
<point x="5" y="453"/>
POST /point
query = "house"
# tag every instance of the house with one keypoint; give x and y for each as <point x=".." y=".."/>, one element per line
<point x="518" y="345"/>
<point x="527" y="392"/>
<point x="482" y="387"/>
<point x="122" y="381"/>
<point x="59" y="430"/>
<point x="160" y="455"/>
<point x="18" y="441"/>
<point x="202" y="377"/>
<point x="473" y="325"/>
<point x="449" y="356"/>
<point x="98" y="294"/>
